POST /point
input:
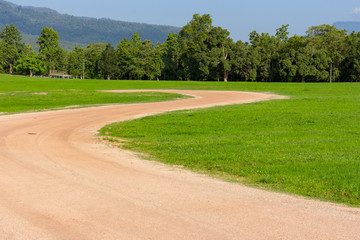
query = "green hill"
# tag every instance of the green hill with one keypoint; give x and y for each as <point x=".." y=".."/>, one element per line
<point x="75" y="31"/>
<point x="66" y="45"/>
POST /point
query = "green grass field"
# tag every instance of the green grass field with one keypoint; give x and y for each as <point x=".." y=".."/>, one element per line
<point x="306" y="145"/>
<point x="20" y="94"/>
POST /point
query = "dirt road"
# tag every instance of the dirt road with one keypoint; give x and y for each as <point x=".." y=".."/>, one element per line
<point x="58" y="182"/>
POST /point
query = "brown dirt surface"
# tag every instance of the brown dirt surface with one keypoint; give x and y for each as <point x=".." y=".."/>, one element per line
<point x="58" y="181"/>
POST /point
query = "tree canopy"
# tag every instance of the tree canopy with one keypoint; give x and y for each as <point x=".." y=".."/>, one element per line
<point x="200" y="52"/>
<point x="49" y="50"/>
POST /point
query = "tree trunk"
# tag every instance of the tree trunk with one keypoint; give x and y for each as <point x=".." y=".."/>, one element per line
<point x="269" y="73"/>
<point x="226" y="75"/>
<point x="225" y="55"/>
<point x="31" y="72"/>
<point x="83" y="73"/>
<point x="303" y="79"/>
<point x="11" y="67"/>
<point x="331" y="72"/>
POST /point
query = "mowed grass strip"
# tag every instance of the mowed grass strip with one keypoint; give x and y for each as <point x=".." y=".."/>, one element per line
<point x="307" y="145"/>
<point x="15" y="102"/>
<point x="11" y="83"/>
<point x="20" y="94"/>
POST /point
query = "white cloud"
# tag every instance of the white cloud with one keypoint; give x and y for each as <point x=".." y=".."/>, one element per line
<point x="356" y="12"/>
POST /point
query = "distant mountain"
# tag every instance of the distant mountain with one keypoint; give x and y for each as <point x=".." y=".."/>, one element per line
<point x="77" y="30"/>
<point x="66" y="45"/>
<point x="349" y="26"/>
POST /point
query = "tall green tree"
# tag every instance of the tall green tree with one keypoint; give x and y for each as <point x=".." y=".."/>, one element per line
<point x="296" y="60"/>
<point x="130" y="63"/>
<point x="8" y="56"/>
<point x="139" y="59"/>
<point x="350" y="67"/>
<point x="93" y="54"/>
<point x="321" y="62"/>
<point x="265" y="49"/>
<point x="11" y="36"/>
<point x="171" y="57"/>
<point x="219" y="46"/>
<point x="76" y="62"/>
<point x="12" y="46"/>
<point x="108" y="62"/>
<point x="243" y="62"/>
<point x="29" y="50"/>
<point x="151" y="59"/>
<point x="29" y="65"/>
<point x="204" y="50"/>
<point x="331" y="40"/>
<point x="192" y="37"/>
<point x="282" y="33"/>
<point x="49" y="49"/>
<point x="125" y="56"/>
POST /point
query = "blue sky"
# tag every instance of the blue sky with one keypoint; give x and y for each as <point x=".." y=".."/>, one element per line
<point x="240" y="17"/>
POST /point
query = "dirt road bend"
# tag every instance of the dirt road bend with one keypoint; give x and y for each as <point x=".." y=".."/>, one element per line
<point x="57" y="181"/>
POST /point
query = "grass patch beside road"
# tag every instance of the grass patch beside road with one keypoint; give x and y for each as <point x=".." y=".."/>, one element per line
<point x="19" y="94"/>
<point x="14" y="102"/>
<point x="306" y="145"/>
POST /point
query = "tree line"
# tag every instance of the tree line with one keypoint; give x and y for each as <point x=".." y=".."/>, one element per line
<point x="200" y="51"/>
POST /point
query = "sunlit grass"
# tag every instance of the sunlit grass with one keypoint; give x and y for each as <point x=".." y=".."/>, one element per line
<point x="307" y="145"/>
<point x="19" y="94"/>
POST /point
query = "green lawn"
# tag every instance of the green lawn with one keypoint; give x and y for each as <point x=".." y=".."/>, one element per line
<point x="20" y="94"/>
<point x="307" y="145"/>
<point x="10" y="83"/>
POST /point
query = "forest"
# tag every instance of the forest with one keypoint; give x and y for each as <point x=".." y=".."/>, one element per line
<point x="200" y="52"/>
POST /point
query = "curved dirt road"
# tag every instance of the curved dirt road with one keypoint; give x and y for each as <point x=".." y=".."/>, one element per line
<point x="58" y="182"/>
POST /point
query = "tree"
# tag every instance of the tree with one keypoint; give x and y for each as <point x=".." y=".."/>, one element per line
<point x="331" y="39"/>
<point x="151" y="61"/>
<point x="243" y="61"/>
<point x="92" y="60"/>
<point x="295" y="62"/>
<point x="265" y="49"/>
<point x="30" y="64"/>
<point x="29" y="50"/>
<point x="139" y="59"/>
<point x="320" y="61"/>
<point x="204" y="50"/>
<point x="49" y="50"/>
<point x="108" y="62"/>
<point x="76" y="62"/>
<point x="171" y="57"/>
<point x="11" y="36"/>
<point x="13" y="47"/>
<point x="192" y="37"/>
<point x="124" y="54"/>
<point x="219" y="45"/>
<point x="282" y="33"/>
<point x="8" y="56"/>
<point x="350" y="67"/>
<point x="130" y="62"/>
